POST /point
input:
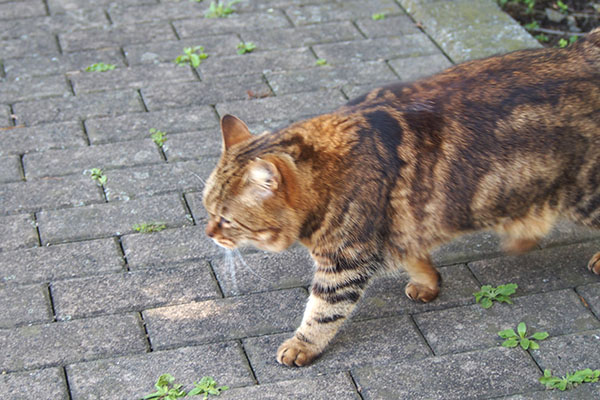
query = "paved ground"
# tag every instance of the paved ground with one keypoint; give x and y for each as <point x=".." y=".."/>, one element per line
<point x="92" y="309"/>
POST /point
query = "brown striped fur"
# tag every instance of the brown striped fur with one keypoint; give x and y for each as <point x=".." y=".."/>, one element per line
<point x="506" y="143"/>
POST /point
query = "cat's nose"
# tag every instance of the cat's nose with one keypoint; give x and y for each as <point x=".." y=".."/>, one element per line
<point x="211" y="228"/>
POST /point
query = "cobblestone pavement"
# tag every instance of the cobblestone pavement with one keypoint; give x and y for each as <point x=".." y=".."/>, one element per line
<point x="92" y="309"/>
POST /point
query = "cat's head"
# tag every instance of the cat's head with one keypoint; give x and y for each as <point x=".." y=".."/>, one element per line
<point x="250" y="200"/>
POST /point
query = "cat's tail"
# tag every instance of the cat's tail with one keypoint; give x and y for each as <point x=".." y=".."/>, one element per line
<point x="593" y="37"/>
<point x="589" y="46"/>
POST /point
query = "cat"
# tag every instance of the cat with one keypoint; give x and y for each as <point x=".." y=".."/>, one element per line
<point x="506" y="143"/>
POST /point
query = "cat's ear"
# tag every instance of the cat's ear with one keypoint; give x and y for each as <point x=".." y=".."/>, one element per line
<point x="264" y="176"/>
<point x="234" y="131"/>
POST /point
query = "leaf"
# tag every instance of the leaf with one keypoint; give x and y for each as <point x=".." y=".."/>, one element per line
<point x="486" y="302"/>
<point x="195" y="60"/>
<point x="533" y="345"/>
<point x="522" y="329"/>
<point x="512" y="342"/>
<point x="547" y="373"/>
<point x="540" y="335"/>
<point x="507" y="289"/>
<point x="524" y="343"/>
<point x="507" y="333"/>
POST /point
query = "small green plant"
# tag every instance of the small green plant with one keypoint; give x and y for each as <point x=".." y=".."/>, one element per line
<point x="218" y="9"/>
<point x="245" y="47"/>
<point x="158" y="137"/>
<point x="378" y="16"/>
<point x="520" y="338"/>
<point x="488" y="294"/>
<point x="166" y="390"/>
<point x="98" y="175"/>
<point x="149" y="227"/>
<point x="562" y="42"/>
<point x="206" y="386"/>
<point x="192" y="56"/>
<point x="532" y="25"/>
<point x="100" y="67"/>
<point x="562" y="7"/>
<point x="321" y="62"/>
<point x="570" y="380"/>
<point x="542" y="38"/>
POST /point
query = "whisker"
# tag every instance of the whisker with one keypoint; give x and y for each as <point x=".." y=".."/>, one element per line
<point x="199" y="177"/>
<point x="230" y="261"/>
<point x="239" y="255"/>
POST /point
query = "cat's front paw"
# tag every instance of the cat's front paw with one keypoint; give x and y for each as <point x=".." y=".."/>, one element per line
<point x="419" y="292"/>
<point x="294" y="352"/>
<point x="594" y="264"/>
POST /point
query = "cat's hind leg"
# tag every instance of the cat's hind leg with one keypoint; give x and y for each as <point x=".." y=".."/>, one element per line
<point x="425" y="280"/>
<point x="520" y="235"/>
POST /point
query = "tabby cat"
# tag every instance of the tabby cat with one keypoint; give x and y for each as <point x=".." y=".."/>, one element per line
<point x="506" y="143"/>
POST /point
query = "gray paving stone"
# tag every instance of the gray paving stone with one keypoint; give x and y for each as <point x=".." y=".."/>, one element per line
<point x="385" y="48"/>
<point x="115" y="36"/>
<point x="591" y="294"/>
<point x="125" y="184"/>
<point x="194" y="200"/>
<point x="188" y="94"/>
<point x="21" y="89"/>
<point x="367" y="343"/>
<point x="137" y="126"/>
<point x="5" y="119"/>
<point x="193" y="145"/>
<point x="397" y="25"/>
<point x="329" y="77"/>
<point x="10" y="169"/>
<point x="38" y="384"/>
<point x="129" y="15"/>
<point x="22" y="9"/>
<point x="290" y="107"/>
<point x="473" y="327"/>
<point x="258" y="272"/>
<point x="131" y="77"/>
<point x="132" y="377"/>
<point x="102" y="220"/>
<point x="569" y="353"/>
<point x="17" y="231"/>
<point x="301" y="36"/>
<point x="79" y="107"/>
<point x="29" y="45"/>
<point x="318" y="13"/>
<point x="413" y="68"/>
<point x="544" y="270"/>
<point x="51" y="263"/>
<point x="60" y="64"/>
<point x="582" y="392"/>
<point x="81" y="160"/>
<point x="170" y="247"/>
<point x="565" y="232"/>
<point x="72" y="20"/>
<point x="257" y="62"/>
<point x="385" y="297"/>
<point x="466" y="248"/>
<point x="334" y="386"/>
<point x="132" y="291"/>
<point x="457" y="377"/>
<point x="153" y="53"/>
<point x="235" y="23"/>
<point x="61" y="343"/>
<point x="21" y="139"/>
<point x="49" y="193"/>
<point x="24" y="304"/>
<point x="225" y="319"/>
<point x="63" y="6"/>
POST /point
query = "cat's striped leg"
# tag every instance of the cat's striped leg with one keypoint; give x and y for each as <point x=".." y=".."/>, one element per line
<point x="334" y="294"/>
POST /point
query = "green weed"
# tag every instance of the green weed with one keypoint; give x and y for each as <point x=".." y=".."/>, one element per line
<point x="520" y="338"/>
<point x="158" y="137"/>
<point x="218" y="9"/>
<point x="100" y="67"/>
<point x="488" y="294"/>
<point x="378" y="16"/>
<point x="166" y="390"/>
<point x="245" y="47"/>
<point x="149" y="227"/>
<point x="321" y="62"/>
<point x="192" y="56"/>
<point x="570" y="380"/>
<point x="98" y="175"/>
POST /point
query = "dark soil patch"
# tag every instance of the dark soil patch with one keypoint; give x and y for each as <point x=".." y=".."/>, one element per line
<point x="555" y="23"/>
